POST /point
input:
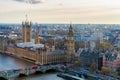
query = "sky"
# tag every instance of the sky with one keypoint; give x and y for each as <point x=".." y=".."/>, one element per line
<point x="61" y="11"/>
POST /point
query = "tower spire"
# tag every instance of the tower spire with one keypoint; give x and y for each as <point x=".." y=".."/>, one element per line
<point x="37" y="34"/>
<point x="26" y="17"/>
<point x="70" y="22"/>
<point x="70" y="43"/>
<point x="70" y="29"/>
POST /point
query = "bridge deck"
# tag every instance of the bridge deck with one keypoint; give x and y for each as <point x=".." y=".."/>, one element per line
<point x="67" y="76"/>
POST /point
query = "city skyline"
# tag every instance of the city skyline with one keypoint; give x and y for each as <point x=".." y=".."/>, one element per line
<point x="61" y="11"/>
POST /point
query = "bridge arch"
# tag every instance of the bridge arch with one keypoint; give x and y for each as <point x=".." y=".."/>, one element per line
<point x="50" y="70"/>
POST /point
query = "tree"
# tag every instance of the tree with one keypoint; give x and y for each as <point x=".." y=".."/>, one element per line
<point x="105" y="70"/>
<point x="93" y="67"/>
<point x="13" y="41"/>
<point x="51" y="41"/>
<point x="118" y="70"/>
<point x="78" y="63"/>
<point x="106" y="45"/>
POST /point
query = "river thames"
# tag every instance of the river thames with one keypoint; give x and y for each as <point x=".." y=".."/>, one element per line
<point x="10" y="62"/>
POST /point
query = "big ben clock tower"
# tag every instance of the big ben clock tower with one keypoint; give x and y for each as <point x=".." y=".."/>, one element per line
<point x="70" y="41"/>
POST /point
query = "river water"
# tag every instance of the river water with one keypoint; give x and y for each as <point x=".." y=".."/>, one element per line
<point x="9" y="63"/>
<point x="46" y="76"/>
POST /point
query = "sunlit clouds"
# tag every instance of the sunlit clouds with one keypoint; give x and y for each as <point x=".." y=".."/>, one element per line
<point x="60" y="11"/>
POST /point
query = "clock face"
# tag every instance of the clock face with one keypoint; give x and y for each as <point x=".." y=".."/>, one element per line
<point x="70" y="38"/>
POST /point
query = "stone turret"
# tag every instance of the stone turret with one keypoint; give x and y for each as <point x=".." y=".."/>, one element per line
<point x="26" y="31"/>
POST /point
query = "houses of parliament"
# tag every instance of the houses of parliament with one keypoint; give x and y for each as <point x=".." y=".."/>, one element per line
<point x="34" y="50"/>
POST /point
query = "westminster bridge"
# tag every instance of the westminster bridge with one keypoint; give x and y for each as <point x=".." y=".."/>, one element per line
<point x="12" y="67"/>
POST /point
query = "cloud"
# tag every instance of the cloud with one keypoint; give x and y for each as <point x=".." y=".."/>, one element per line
<point x="60" y="4"/>
<point x="30" y="1"/>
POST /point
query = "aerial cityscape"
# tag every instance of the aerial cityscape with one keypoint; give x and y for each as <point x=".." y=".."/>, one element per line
<point x="59" y="40"/>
